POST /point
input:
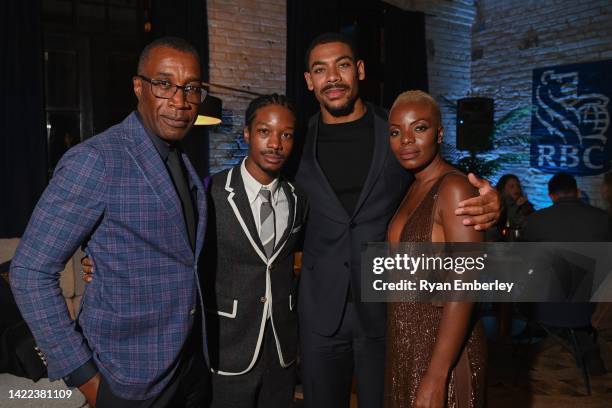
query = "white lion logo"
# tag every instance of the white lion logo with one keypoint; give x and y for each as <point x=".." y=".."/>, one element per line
<point x="572" y="117"/>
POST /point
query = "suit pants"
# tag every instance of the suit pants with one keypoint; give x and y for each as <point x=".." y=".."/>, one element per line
<point x="328" y="363"/>
<point x="189" y="388"/>
<point x="266" y="385"/>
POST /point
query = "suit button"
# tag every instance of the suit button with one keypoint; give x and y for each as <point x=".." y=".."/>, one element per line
<point x="353" y="225"/>
<point x="192" y="312"/>
<point x="346" y="264"/>
<point x="262" y="299"/>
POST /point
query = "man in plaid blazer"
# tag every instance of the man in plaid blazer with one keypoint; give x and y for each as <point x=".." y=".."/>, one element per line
<point x="140" y="208"/>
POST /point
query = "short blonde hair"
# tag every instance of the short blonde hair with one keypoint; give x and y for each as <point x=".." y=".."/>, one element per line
<point x="419" y="97"/>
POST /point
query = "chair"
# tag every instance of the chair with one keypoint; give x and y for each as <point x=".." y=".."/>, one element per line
<point x="570" y="325"/>
<point x="70" y="278"/>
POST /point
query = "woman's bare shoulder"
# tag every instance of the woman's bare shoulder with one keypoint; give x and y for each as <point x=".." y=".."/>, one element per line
<point x="455" y="187"/>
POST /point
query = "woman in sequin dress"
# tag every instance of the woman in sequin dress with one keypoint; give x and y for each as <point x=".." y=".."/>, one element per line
<point x="436" y="355"/>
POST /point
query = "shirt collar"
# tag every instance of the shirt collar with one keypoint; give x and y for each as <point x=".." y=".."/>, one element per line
<point x="253" y="186"/>
<point x="161" y="146"/>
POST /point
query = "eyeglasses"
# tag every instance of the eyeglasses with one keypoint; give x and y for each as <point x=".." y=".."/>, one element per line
<point x="166" y="90"/>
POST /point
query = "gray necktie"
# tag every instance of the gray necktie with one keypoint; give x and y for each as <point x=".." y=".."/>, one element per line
<point x="266" y="219"/>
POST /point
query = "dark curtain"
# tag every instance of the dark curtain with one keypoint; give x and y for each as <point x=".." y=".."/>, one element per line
<point x="187" y="19"/>
<point x="305" y="20"/>
<point x="405" y="61"/>
<point x="391" y="41"/>
<point x="23" y="153"/>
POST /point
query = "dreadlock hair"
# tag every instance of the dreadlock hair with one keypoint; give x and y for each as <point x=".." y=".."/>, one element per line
<point x="263" y="101"/>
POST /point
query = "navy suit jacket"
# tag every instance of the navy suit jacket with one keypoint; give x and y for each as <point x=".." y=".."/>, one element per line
<point x="567" y="220"/>
<point x="333" y="239"/>
<point x="113" y="192"/>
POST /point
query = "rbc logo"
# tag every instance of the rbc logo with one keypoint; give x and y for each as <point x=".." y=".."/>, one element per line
<point x="570" y="120"/>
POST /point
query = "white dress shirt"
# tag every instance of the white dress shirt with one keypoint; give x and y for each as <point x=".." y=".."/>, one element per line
<point x="279" y="202"/>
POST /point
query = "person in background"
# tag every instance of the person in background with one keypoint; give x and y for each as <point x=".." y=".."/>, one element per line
<point x="516" y="208"/>
<point x="569" y="220"/>
<point x="606" y="192"/>
<point x="603" y="312"/>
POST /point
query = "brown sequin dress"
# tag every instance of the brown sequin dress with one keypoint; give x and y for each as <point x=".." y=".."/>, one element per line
<point x="411" y="335"/>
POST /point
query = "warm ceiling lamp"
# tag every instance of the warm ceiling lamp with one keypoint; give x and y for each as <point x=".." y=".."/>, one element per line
<point x="210" y="110"/>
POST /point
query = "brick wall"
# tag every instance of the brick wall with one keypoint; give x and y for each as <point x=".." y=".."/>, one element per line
<point x="448" y="32"/>
<point x="510" y="39"/>
<point x="245" y="35"/>
<point x="247" y="50"/>
<point x="481" y="48"/>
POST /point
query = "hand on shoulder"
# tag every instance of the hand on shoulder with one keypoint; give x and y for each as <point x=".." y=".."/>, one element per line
<point x="454" y="189"/>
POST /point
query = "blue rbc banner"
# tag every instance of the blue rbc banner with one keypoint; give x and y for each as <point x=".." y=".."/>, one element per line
<point x="571" y="117"/>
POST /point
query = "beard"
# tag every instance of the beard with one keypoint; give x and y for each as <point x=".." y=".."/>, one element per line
<point x="343" y="110"/>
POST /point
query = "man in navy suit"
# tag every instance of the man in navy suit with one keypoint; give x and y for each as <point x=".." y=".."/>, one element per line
<point x="138" y="204"/>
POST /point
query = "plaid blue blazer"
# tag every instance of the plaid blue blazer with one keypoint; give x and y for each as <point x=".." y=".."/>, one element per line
<point x="114" y="193"/>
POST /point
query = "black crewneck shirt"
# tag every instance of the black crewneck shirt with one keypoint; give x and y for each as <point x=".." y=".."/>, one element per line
<point x="344" y="152"/>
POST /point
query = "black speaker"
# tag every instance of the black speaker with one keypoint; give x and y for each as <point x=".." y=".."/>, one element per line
<point x="475" y="124"/>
